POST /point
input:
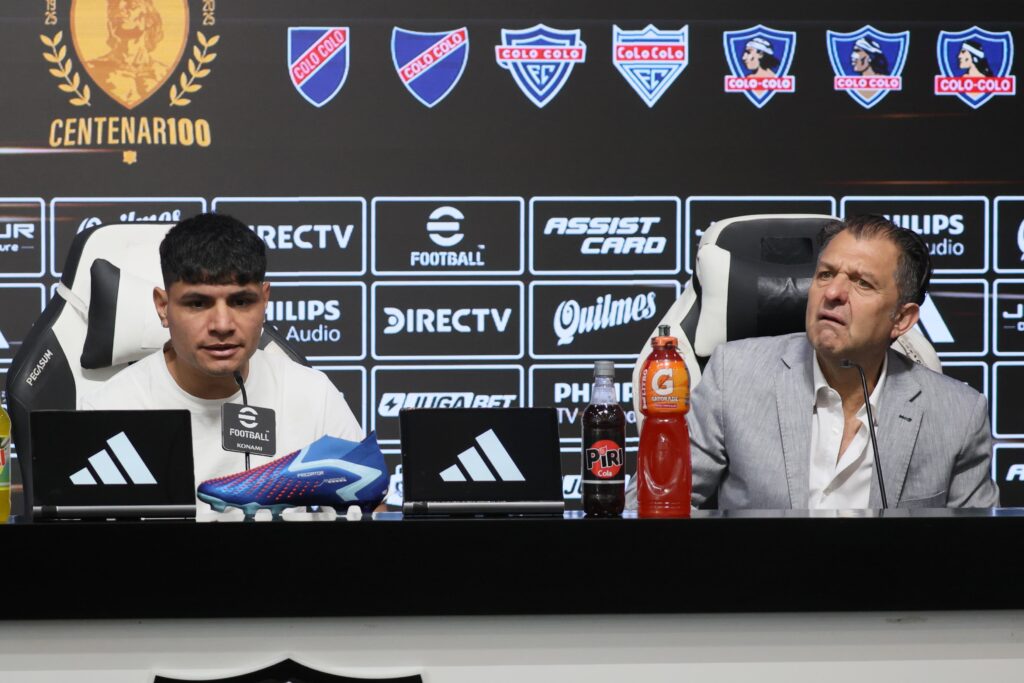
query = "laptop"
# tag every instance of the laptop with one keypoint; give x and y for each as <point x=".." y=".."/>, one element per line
<point x="494" y="461"/>
<point x="128" y="464"/>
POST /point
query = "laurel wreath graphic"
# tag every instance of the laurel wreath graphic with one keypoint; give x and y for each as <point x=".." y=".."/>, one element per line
<point x="195" y="71"/>
<point x="72" y="82"/>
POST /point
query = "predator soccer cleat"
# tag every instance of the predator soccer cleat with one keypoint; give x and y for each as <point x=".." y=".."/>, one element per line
<point x="329" y="472"/>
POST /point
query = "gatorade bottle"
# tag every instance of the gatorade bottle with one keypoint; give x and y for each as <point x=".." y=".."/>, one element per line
<point x="5" y="466"/>
<point x="663" y="467"/>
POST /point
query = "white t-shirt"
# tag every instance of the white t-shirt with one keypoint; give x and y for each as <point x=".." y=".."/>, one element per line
<point x="306" y="406"/>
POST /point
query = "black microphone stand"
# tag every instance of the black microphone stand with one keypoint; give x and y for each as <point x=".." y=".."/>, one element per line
<point x="871" y="428"/>
<point x="245" y="402"/>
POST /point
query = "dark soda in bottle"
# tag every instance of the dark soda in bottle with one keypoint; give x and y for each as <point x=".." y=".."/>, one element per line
<point x="604" y="447"/>
<point x="663" y="465"/>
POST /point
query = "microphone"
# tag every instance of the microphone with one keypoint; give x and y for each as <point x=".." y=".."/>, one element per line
<point x="245" y="402"/>
<point x="871" y="427"/>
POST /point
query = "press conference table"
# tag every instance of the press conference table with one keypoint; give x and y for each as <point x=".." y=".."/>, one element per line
<point x="389" y="566"/>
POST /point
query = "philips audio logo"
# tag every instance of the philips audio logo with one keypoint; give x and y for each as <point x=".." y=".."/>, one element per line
<point x="599" y="235"/>
<point x="567" y="388"/>
<point x="101" y="465"/>
<point x="322" y="319"/>
<point x="956" y="229"/>
<point x="571" y="318"/>
<point x="450" y="236"/>
<point x="424" y="320"/>
<point x="471" y="465"/>
<point x="305" y="235"/>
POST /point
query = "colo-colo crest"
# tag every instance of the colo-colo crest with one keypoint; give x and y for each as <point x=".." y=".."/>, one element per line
<point x="318" y="59"/>
<point x="868" y="63"/>
<point x="759" y="59"/>
<point x="109" y="58"/>
<point x="650" y="60"/>
<point x="429" y="64"/>
<point x="540" y="59"/>
<point x="975" y="65"/>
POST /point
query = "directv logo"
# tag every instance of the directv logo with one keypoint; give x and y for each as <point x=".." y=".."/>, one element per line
<point x="124" y="452"/>
<point x="475" y="466"/>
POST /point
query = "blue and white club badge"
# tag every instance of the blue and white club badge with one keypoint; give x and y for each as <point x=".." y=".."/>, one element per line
<point x="868" y="63"/>
<point x="650" y="60"/>
<point x="759" y="59"/>
<point x="318" y="61"/>
<point x="975" y="65"/>
<point x="430" y="64"/>
<point x="540" y="59"/>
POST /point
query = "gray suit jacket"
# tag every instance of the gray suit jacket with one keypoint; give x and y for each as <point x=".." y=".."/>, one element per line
<point x="750" y="430"/>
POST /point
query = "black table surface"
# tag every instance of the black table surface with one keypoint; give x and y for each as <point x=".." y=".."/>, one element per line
<point x="715" y="562"/>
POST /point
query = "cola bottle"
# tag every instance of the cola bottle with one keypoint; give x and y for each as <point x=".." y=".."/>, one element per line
<point x="604" y="447"/>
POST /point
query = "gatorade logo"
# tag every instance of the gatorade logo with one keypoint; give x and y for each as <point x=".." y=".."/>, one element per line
<point x="662" y="383"/>
<point x="604" y="459"/>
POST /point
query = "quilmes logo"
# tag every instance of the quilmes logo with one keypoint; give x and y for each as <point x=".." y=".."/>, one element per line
<point x="573" y="318"/>
<point x="474" y="468"/>
<point x="540" y="59"/>
<point x="102" y="465"/>
<point x="868" y="63"/>
<point x="132" y="217"/>
<point x="318" y="58"/>
<point x="759" y="59"/>
<point x="393" y="402"/>
<point x="430" y="64"/>
<point x="445" y="320"/>
<point x="130" y="52"/>
<point x="650" y="60"/>
<point x="975" y="65"/>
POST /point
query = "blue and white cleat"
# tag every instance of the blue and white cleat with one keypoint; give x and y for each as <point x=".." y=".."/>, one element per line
<point x="329" y="472"/>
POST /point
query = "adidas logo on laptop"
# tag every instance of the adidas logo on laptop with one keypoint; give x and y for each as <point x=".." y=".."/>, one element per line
<point x="495" y="453"/>
<point x="124" y="452"/>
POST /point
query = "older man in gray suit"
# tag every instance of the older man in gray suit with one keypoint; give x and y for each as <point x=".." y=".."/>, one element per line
<point x="780" y="422"/>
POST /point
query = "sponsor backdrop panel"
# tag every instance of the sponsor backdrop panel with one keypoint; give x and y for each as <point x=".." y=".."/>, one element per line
<point x="470" y="182"/>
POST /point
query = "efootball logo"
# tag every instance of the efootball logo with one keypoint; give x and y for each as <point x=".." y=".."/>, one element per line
<point x="129" y="52"/>
<point x="759" y="59"/>
<point x="540" y="59"/>
<point x="975" y="65"/>
<point x="650" y="60"/>
<point x="429" y="64"/>
<point x="868" y="63"/>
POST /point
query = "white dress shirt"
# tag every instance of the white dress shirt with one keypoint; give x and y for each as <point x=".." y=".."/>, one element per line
<point x="840" y="482"/>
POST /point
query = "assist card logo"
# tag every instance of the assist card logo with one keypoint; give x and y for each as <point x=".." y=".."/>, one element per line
<point x="540" y="59"/>
<point x="759" y="59"/>
<point x="868" y="63"/>
<point x="128" y="51"/>
<point x="650" y="60"/>
<point x="318" y="61"/>
<point x="975" y="65"/>
<point x="430" y="64"/>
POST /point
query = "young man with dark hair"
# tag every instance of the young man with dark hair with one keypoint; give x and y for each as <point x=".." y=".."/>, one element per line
<point x="213" y="303"/>
<point x="780" y="422"/>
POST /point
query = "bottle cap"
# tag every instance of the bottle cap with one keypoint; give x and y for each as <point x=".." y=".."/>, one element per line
<point x="604" y="368"/>
<point x="664" y="337"/>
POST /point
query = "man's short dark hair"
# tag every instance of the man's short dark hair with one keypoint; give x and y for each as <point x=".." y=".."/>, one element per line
<point x="213" y="249"/>
<point x="915" y="265"/>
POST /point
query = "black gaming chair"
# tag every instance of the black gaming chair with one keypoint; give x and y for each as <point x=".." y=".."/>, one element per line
<point x="100" y="320"/>
<point x="751" y="280"/>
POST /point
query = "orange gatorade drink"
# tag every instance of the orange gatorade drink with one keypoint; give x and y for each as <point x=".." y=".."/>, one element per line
<point x="663" y="467"/>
